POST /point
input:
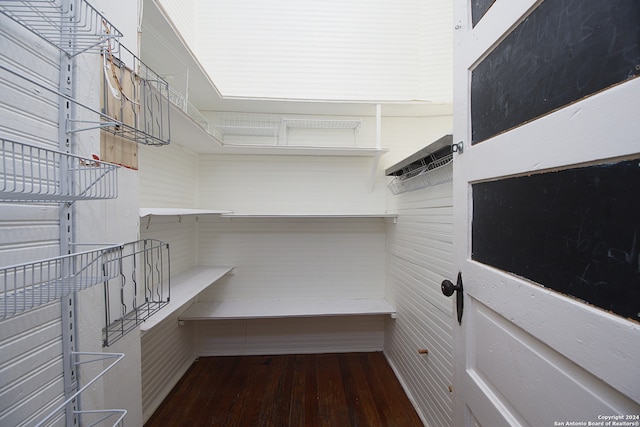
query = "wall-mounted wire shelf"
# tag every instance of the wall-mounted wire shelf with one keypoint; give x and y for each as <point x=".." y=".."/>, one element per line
<point x="246" y="124"/>
<point x="138" y="285"/>
<point x="90" y="417"/>
<point x="437" y="171"/>
<point x="290" y="123"/>
<point x="140" y="268"/>
<point x="71" y="26"/>
<point x="135" y="99"/>
<point x="142" y="117"/>
<point x="30" y="173"/>
<point x="327" y="125"/>
<point x="30" y="285"/>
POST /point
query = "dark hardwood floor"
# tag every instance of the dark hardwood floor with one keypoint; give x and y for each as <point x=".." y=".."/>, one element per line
<point x="336" y="390"/>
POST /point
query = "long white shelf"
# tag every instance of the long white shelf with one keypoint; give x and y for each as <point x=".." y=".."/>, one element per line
<point x="279" y="308"/>
<point x="293" y="216"/>
<point x="184" y="287"/>
<point x="179" y="211"/>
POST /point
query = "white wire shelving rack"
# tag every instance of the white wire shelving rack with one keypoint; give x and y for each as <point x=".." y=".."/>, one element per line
<point x="90" y="418"/>
<point x="433" y="172"/>
<point x="135" y="100"/>
<point x="137" y="286"/>
<point x="135" y="275"/>
<point x="73" y="27"/>
<point x="31" y="173"/>
<point x="352" y="125"/>
<point x="248" y="124"/>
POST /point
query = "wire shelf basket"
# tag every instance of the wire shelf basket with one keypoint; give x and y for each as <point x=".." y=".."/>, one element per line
<point x="113" y="417"/>
<point x="135" y="99"/>
<point x="30" y="173"/>
<point x="436" y="172"/>
<point x="137" y="286"/>
<point x="322" y="124"/>
<point x="245" y="124"/>
<point x="30" y="285"/>
<point x="71" y="26"/>
<point x="140" y="269"/>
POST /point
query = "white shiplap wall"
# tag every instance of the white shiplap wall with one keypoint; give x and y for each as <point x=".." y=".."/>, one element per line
<point x="182" y="14"/>
<point x="168" y="350"/>
<point x="347" y="50"/>
<point x="289" y="258"/>
<point x="31" y="356"/>
<point x="253" y="184"/>
<point x="161" y="369"/>
<point x="419" y="249"/>
<point x="293" y="259"/>
<point x="168" y="176"/>
<point x="289" y="336"/>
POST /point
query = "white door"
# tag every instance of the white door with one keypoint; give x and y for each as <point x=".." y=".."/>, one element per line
<point x="527" y="354"/>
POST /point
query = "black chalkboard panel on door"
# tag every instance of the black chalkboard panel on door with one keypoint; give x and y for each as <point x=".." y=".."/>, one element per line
<point x="478" y="9"/>
<point x="563" y="51"/>
<point x="576" y="231"/>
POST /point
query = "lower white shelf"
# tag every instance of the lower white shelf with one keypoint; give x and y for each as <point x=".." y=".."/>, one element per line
<point x="184" y="287"/>
<point x="278" y="308"/>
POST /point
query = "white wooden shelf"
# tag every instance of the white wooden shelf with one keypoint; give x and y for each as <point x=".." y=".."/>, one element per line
<point x="311" y="216"/>
<point x="279" y="308"/>
<point x="179" y="212"/>
<point x="184" y="287"/>
<point x="297" y="150"/>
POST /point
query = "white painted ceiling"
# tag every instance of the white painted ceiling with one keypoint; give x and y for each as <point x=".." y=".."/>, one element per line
<point x="166" y="51"/>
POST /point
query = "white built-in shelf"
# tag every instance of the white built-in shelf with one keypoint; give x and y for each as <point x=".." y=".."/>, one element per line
<point x="295" y="150"/>
<point x="311" y="216"/>
<point x="184" y="287"/>
<point x="179" y="212"/>
<point x="279" y="308"/>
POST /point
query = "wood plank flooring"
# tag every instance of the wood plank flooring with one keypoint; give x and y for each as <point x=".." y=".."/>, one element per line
<point x="333" y="390"/>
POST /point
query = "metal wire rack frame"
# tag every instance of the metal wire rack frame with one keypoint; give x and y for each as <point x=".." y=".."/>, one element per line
<point x="135" y="99"/>
<point x="105" y="414"/>
<point x="31" y="173"/>
<point x="30" y="285"/>
<point x="72" y="26"/>
<point x="433" y="173"/>
<point x="138" y="289"/>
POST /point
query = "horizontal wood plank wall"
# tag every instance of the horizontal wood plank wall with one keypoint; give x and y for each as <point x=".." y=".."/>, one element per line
<point x="168" y="176"/>
<point x="31" y="365"/>
<point x="294" y="258"/>
<point x="419" y="257"/>
<point x="285" y="259"/>
<point x="168" y="350"/>
<point x="350" y="50"/>
<point x="306" y="335"/>
<point x="253" y="184"/>
<point x="183" y="15"/>
<point x="181" y="233"/>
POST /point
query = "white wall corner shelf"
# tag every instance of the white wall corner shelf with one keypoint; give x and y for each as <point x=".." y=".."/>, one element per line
<point x="280" y="308"/>
<point x="186" y="286"/>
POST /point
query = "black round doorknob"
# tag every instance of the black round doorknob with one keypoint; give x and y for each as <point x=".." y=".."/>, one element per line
<point x="448" y="288"/>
